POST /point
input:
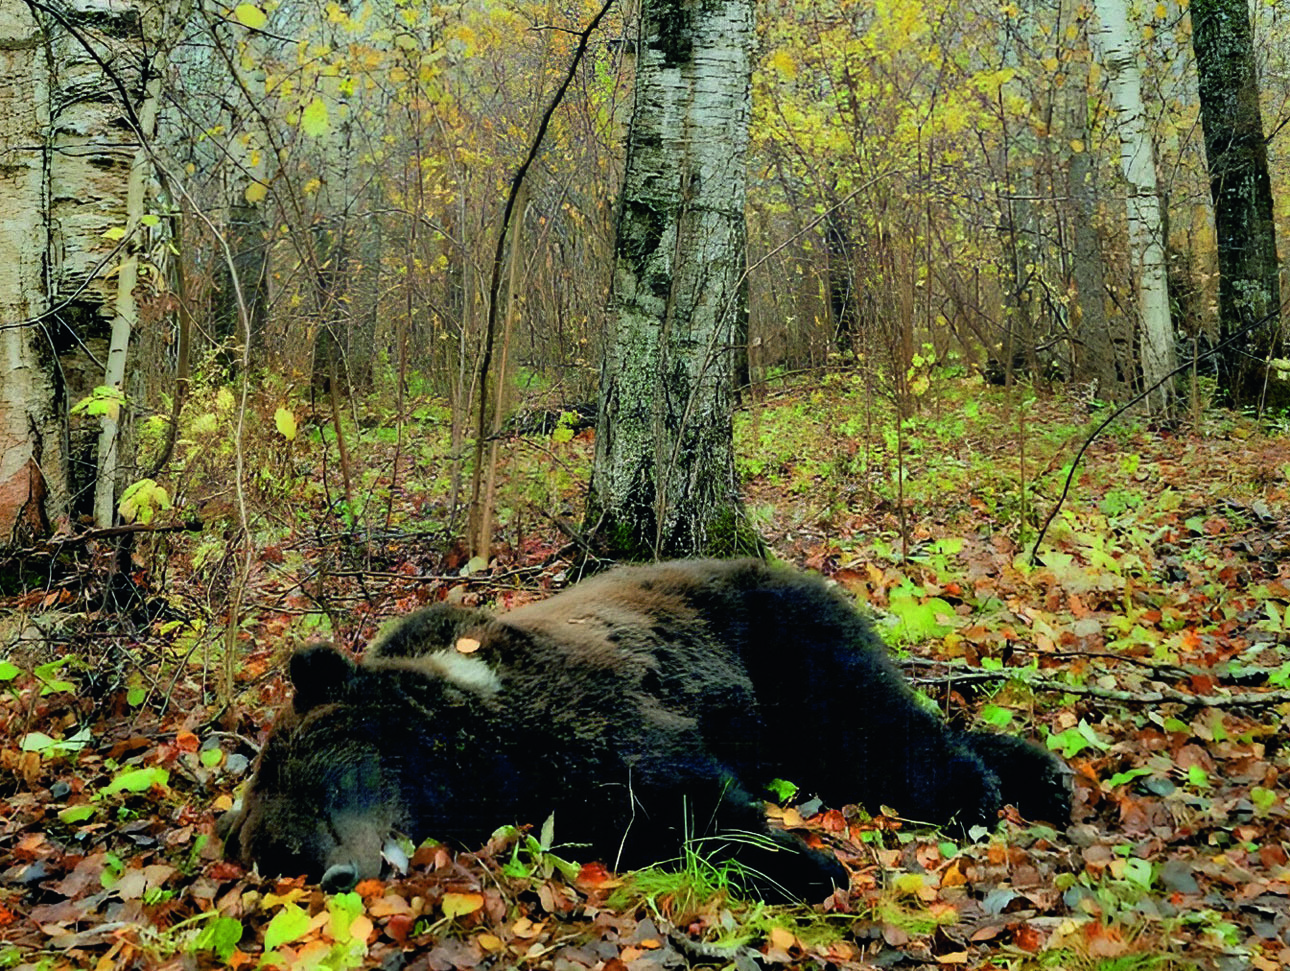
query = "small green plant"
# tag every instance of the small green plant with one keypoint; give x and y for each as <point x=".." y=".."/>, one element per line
<point x="103" y="400"/>
<point x="531" y="855"/>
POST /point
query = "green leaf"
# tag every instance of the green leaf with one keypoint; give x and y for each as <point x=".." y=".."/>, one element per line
<point x="313" y="120"/>
<point x="286" y="423"/>
<point x="1263" y="799"/>
<point x="249" y="15"/>
<point x="288" y="924"/>
<point x="137" y="780"/>
<point x="997" y="716"/>
<point x="51" y="747"/>
<point x="919" y="620"/>
<point x="36" y="742"/>
<point x="8" y="671"/>
<point x="1138" y="872"/>
<point x="343" y="907"/>
<point x="1197" y="777"/>
<point x="113" y="867"/>
<point x="141" y="500"/>
<point x="1120" y="778"/>
<point x="781" y="789"/>
<point x="134" y="697"/>
<point x="212" y="757"/>
<point x="47" y="675"/>
<point x="75" y="814"/>
<point x="1074" y="740"/>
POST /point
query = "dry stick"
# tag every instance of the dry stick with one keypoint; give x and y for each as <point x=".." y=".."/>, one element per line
<point x="490" y="331"/>
<point x="1140" y="396"/>
<point x="1249" y="699"/>
<point x="334" y="395"/>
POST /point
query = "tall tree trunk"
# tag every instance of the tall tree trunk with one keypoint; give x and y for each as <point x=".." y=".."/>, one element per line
<point x="1120" y="49"/>
<point x="33" y="478"/>
<point x="126" y="306"/>
<point x="1019" y="224"/>
<point x="1102" y="350"/>
<point x="89" y="77"/>
<point x="248" y="240"/>
<point x="664" y="480"/>
<point x="841" y="279"/>
<point x="1248" y="285"/>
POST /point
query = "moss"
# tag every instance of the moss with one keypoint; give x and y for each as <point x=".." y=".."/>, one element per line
<point x="729" y="534"/>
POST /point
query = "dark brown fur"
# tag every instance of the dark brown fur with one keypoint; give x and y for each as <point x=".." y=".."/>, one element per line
<point x="643" y="707"/>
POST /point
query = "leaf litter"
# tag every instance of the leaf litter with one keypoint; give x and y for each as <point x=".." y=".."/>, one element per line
<point x="1147" y="644"/>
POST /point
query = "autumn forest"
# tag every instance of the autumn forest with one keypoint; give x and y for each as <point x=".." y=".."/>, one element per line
<point x="313" y="314"/>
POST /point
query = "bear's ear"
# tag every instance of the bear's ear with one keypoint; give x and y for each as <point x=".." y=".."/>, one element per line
<point x="320" y="674"/>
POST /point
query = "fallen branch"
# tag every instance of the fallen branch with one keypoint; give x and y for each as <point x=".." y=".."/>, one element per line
<point x="1252" y="699"/>
<point x="57" y="542"/>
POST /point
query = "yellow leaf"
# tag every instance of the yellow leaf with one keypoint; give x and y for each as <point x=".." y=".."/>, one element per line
<point x="249" y="15"/>
<point x="314" y="118"/>
<point x="255" y="192"/>
<point x="1161" y="12"/>
<point x="460" y="904"/>
<point x="286" y="423"/>
<point x="1077" y="145"/>
<point x="783" y="64"/>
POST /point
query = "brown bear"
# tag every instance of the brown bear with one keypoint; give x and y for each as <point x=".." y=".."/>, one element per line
<point x="644" y="707"/>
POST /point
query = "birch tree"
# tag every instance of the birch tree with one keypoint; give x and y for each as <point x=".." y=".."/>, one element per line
<point x="78" y="75"/>
<point x="33" y="479"/>
<point x="1120" y="50"/>
<point x="1249" y="293"/>
<point x="664" y="480"/>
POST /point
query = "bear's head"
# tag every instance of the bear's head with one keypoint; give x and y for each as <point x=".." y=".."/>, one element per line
<point x="325" y="797"/>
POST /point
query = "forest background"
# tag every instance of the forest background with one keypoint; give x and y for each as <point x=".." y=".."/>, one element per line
<point x="247" y="286"/>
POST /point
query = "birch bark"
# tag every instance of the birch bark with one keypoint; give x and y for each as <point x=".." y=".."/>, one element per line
<point x="664" y="480"/>
<point x="32" y="455"/>
<point x="1120" y="51"/>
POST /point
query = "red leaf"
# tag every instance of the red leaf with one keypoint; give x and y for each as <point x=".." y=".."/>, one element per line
<point x="399" y="926"/>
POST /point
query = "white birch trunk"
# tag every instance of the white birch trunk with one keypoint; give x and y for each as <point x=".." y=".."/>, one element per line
<point x="32" y="459"/>
<point x="126" y="308"/>
<point x="1121" y="51"/>
<point x="664" y="475"/>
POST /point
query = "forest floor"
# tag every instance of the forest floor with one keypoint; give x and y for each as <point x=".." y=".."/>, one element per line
<point x="1147" y="643"/>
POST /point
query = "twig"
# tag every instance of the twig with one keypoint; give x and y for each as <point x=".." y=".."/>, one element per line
<point x="1142" y="395"/>
<point x="107" y="532"/>
<point x="1248" y="699"/>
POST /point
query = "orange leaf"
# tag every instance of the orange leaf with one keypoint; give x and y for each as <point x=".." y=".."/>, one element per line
<point x="781" y="939"/>
<point x="460" y="904"/>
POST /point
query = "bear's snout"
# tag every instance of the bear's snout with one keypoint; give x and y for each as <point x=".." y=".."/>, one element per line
<point x="340" y="878"/>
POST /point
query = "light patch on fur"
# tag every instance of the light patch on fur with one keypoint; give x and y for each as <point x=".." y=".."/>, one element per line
<point x="465" y="671"/>
<point x="467" y="645"/>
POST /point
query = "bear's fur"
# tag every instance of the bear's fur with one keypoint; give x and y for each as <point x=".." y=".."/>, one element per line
<point x="643" y="707"/>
